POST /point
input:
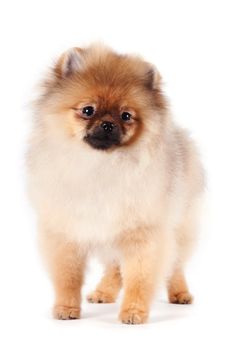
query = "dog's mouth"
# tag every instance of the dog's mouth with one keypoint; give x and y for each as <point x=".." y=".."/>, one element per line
<point x="103" y="139"/>
<point x="102" y="143"/>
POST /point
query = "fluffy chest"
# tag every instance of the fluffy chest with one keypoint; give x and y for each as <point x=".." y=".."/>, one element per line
<point x="93" y="198"/>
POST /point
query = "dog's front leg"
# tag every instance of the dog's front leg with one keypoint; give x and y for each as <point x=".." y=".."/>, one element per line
<point x="144" y="266"/>
<point x="66" y="262"/>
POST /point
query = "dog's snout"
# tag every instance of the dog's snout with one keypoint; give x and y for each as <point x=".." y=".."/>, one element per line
<point x="104" y="136"/>
<point x="108" y="126"/>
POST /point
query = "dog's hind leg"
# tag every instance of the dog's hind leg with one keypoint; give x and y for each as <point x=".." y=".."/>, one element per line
<point x="108" y="288"/>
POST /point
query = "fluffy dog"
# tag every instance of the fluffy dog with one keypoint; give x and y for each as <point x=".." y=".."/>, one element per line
<point x="110" y="173"/>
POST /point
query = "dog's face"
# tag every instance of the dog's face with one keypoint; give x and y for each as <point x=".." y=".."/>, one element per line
<point x="102" y="98"/>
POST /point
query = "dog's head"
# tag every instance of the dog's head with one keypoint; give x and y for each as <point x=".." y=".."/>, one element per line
<point x="105" y="99"/>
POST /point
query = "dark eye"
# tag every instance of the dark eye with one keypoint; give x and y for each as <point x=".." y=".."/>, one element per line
<point x="88" y="111"/>
<point x="125" y="116"/>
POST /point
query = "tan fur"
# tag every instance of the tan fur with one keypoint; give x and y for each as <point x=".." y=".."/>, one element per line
<point x="178" y="290"/>
<point x="66" y="265"/>
<point x="135" y="205"/>
<point x="109" y="286"/>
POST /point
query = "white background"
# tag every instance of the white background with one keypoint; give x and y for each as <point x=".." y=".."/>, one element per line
<point x="191" y="44"/>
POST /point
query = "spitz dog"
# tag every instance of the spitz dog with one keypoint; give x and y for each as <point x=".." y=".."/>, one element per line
<point x="109" y="173"/>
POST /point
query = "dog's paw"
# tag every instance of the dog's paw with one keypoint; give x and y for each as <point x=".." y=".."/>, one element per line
<point x="98" y="297"/>
<point x="181" y="298"/>
<point x="61" y="312"/>
<point x="133" y="316"/>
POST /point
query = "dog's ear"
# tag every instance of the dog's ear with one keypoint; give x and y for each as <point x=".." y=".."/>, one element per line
<point x="153" y="81"/>
<point x="152" y="78"/>
<point x="69" y="63"/>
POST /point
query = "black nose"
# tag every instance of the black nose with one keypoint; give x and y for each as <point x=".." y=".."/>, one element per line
<point x="107" y="126"/>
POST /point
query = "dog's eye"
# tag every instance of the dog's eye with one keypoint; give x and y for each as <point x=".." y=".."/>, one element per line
<point x="88" y="111"/>
<point x="125" y="116"/>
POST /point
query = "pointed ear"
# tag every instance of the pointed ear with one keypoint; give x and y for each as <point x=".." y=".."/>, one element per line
<point x="153" y="78"/>
<point x="69" y="63"/>
<point x="154" y="84"/>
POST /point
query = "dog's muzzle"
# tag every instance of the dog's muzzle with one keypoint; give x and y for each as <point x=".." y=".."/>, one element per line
<point x="104" y="136"/>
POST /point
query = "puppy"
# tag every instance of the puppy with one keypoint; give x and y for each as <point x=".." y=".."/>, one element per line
<point x="110" y="173"/>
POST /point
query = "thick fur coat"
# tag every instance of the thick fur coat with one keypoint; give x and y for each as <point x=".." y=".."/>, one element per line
<point x="131" y="195"/>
